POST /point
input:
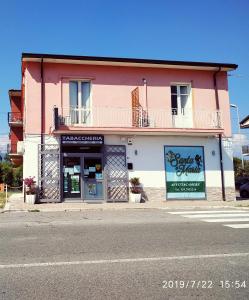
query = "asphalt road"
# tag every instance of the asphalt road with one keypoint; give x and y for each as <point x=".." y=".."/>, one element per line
<point x="129" y="254"/>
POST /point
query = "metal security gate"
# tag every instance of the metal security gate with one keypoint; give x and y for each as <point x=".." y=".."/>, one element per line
<point x="49" y="173"/>
<point x="116" y="174"/>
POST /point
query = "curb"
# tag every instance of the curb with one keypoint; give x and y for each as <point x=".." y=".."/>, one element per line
<point x="7" y="209"/>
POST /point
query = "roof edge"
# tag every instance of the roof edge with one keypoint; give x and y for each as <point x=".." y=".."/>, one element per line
<point x="14" y="93"/>
<point x="244" y="120"/>
<point x="128" y="60"/>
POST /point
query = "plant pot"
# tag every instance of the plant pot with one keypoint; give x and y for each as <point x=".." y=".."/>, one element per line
<point x="135" y="198"/>
<point x="30" y="199"/>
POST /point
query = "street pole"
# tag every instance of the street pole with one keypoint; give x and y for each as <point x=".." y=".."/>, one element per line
<point x="241" y="152"/>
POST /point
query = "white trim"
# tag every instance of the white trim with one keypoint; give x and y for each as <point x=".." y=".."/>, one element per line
<point x="203" y="212"/>
<point x="224" y="220"/>
<point x="216" y="215"/>
<point x="237" y="226"/>
<point x="111" y="131"/>
<point x="76" y="78"/>
<point x="122" y="260"/>
<point x="180" y="83"/>
<point x="127" y="64"/>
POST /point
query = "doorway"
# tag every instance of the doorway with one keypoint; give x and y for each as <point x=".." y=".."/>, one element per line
<point x="93" y="178"/>
<point x="71" y="177"/>
<point x="181" y="106"/>
<point x="83" y="176"/>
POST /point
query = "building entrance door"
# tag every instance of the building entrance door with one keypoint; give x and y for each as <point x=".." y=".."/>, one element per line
<point x="83" y="176"/>
<point x="93" y="178"/>
<point x="72" y="177"/>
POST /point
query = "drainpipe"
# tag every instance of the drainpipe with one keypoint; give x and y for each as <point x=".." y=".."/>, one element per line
<point x="220" y="136"/>
<point x="146" y="99"/>
<point x="42" y="103"/>
<point x="215" y="88"/>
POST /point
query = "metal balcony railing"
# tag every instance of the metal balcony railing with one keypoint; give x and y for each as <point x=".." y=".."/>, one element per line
<point x="15" y="118"/>
<point x="12" y="148"/>
<point x="139" y="118"/>
<point x="15" y="148"/>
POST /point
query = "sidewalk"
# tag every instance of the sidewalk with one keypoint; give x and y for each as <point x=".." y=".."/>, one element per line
<point x="16" y="203"/>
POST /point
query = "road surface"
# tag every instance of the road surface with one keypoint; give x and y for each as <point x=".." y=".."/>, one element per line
<point x="125" y="254"/>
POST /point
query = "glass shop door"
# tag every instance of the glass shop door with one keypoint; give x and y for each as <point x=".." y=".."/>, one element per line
<point x="93" y="178"/>
<point x="71" y="177"/>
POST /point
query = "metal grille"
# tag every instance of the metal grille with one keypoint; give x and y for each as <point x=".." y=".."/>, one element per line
<point x="116" y="172"/>
<point x="49" y="173"/>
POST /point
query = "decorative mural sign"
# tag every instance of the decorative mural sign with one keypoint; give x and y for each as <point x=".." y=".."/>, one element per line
<point x="185" y="172"/>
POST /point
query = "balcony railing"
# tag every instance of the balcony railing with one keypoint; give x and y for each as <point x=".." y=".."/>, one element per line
<point x="139" y="118"/>
<point x="15" y="148"/>
<point x="15" y="118"/>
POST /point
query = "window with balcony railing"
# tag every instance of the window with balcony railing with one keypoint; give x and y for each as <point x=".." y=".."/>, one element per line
<point x="181" y="105"/>
<point x="106" y="116"/>
<point x="15" y="118"/>
<point x="79" y="111"/>
<point x="15" y="148"/>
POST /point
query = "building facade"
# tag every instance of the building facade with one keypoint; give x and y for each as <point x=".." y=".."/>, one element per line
<point x="92" y="123"/>
<point x="15" y="120"/>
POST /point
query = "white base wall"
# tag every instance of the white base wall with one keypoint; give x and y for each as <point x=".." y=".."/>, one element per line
<point x="147" y="155"/>
<point x="30" y="156"/>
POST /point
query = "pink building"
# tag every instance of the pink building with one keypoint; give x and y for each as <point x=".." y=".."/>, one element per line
<point x="93" y="123"/>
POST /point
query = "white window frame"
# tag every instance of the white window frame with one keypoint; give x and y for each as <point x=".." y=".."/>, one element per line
<point x="79" y="103"/>
<point x="178" y="94"/>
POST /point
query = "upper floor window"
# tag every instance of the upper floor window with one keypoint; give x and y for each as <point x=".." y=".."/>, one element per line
<point x="79" y="94"/>
<point x="180" y="100"/>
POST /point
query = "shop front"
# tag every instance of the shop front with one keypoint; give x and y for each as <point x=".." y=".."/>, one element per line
<point x="95" y="168"/>
<point x="83" y="167"/>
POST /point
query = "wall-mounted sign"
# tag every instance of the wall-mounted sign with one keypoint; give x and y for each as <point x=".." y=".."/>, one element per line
<point x="82" y="139"/>
<point x="185" y="172"/>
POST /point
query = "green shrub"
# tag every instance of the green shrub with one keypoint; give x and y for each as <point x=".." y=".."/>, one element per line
<point x="17" y="176"/>
<point x="10" y="175"/>
<point x="6" y="173"/>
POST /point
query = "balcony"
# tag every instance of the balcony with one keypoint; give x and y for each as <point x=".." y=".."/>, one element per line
<point x="15" y="148"/>
<point x="15" y="151"/>
<point x="15" y="119"/>
<point x="115" y="117"/>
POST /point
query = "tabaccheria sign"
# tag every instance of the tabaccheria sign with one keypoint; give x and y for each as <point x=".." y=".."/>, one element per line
<point x="82" y="139"/>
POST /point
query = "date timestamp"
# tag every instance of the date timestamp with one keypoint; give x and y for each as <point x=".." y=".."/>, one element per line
<point x="236" y="284"/>
<point x="203" y="284"/>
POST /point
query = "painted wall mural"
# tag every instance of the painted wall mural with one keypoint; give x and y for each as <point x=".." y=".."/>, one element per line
<point x="185" y="172"/>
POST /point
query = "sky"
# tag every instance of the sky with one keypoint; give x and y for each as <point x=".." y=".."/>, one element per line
<point x="194" y="30"/>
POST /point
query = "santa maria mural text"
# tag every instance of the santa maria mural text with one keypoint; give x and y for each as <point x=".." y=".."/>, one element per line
<point x="185" y="172"/>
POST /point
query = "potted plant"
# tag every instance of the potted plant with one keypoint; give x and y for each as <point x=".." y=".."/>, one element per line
<point x="30" y="190"/>
<point x="135" y="195"/>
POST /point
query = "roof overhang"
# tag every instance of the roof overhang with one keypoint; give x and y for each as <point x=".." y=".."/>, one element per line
<point x="15" y="93"/>
<point x="127" y="62"/>
<point x="244" y="123"/>
<point x="140" y="131"/>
